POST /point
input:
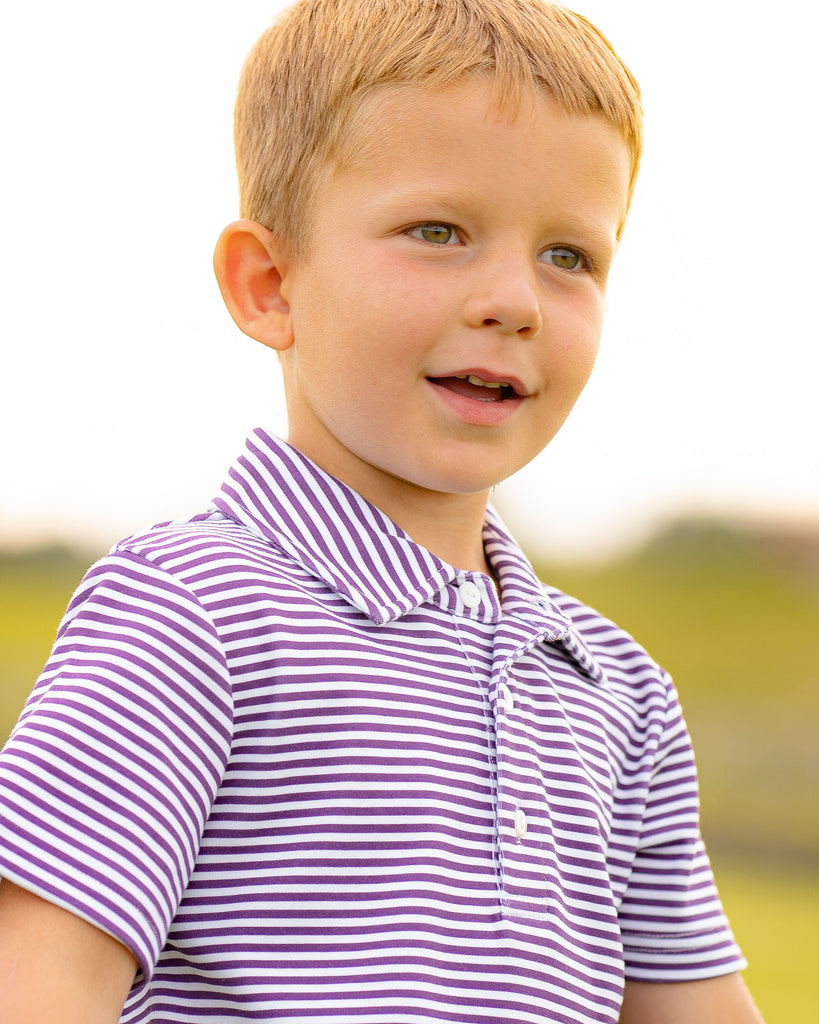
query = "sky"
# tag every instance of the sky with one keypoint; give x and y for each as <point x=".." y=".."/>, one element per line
<point x="127" y="390"/>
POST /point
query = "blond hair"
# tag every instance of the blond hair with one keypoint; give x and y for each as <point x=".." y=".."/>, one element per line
<point x="308" y="73"/>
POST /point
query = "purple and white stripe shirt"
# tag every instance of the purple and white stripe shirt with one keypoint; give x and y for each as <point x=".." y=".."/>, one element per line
<point x="307" y="771"/>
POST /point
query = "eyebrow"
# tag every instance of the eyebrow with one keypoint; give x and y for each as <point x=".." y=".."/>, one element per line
<point x="428" y="194"/>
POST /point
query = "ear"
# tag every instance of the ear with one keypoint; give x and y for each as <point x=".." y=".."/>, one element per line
<point x="250" y="268"/>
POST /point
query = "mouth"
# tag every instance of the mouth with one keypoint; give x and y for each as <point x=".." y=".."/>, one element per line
<point x="480" y="389"/>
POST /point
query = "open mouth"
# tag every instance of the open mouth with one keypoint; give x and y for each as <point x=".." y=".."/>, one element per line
<point x="479" y="390"/>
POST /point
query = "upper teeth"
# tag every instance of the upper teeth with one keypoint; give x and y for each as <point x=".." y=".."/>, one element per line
<point x="484" y="383"/>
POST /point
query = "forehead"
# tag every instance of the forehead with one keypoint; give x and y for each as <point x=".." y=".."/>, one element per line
<point x="409" y="105"/>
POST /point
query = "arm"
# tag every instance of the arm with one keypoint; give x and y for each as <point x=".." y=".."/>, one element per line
<point x="723" y="1000"/>
<point x="55" y="968"/>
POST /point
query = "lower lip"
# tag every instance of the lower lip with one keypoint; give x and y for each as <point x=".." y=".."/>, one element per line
<point x="480" y="414"/>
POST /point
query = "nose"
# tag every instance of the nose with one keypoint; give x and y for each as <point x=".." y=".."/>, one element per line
<point x="505" y="296"/>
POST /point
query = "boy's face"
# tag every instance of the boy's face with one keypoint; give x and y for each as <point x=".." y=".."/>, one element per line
<point x="456" y="251"/>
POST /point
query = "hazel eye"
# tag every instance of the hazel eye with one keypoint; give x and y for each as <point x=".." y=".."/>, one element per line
<point x="564" y="259"/>
<point x="434" y="234"/>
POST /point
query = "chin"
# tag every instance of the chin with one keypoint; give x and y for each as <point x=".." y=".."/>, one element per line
<point x="445" y="483"/>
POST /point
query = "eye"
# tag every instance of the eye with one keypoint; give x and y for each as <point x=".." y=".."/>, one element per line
<point x="564" y="258"/>
<point x="435" y="234"/>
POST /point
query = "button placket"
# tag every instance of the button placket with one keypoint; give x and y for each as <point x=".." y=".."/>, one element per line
<point x="524" y="848"/>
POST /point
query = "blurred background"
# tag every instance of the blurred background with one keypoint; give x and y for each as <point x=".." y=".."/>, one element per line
<point x="693" y="512"/>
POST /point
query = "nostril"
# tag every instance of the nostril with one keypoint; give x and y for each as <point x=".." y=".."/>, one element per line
<point x="526" y="331"/>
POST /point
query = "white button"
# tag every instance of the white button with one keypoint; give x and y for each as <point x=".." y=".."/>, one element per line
<point x="470" y="595"/>
<point x="507" y="700"/>
<point x="520" y="823"/>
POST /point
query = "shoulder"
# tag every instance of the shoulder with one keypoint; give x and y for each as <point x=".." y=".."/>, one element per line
<point x="208" y="578"/>
<point x="205" y="557"/>
<point x="630" y="671"/>
<point x="606" y="639"/>
<point x="185" y="546"/>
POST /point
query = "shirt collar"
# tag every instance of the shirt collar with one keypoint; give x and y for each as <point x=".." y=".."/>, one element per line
<point x="282" y="496"/>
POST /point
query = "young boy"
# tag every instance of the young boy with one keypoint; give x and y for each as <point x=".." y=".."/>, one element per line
<point x="329" y="751"/>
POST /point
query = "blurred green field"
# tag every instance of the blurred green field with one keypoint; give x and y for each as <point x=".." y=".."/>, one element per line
<point x="34" y="590"/>
<point x="734" y="615"/>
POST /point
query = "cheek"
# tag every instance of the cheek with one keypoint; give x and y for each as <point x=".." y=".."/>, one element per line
<point x="578" y="343"/>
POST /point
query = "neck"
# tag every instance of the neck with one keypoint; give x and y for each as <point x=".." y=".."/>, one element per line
<point x="449" y="525"/>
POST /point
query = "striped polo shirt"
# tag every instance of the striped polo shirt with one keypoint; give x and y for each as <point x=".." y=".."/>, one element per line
<point x="306" y="771"/>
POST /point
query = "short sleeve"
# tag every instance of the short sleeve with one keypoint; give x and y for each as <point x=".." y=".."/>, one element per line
<point x="672" y="923"/>
<point x="108" y="778"/>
